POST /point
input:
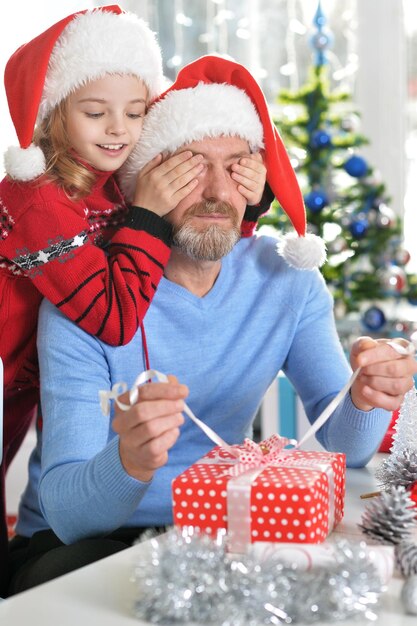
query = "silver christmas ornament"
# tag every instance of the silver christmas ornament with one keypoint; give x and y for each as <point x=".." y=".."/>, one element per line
<point x="393" y="279"/>
<point x="406" y="558"/>
<point x="402" y="256"/>
<point x="385" y="217"/>
<point x="390" y="518"/>
<point x="409" y="595"/>
<point x="398" y="469"/>
<point x="350" y="123"/>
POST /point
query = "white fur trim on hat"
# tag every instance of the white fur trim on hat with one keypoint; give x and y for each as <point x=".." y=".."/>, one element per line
<point x="303" y="253"/>
<point x="187" y="115"/>
<point x="24" y="164"/>
<point x="98" y="43"/>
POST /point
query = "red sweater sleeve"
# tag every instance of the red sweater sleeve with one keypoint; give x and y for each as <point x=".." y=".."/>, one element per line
<point x="105" y="291"/>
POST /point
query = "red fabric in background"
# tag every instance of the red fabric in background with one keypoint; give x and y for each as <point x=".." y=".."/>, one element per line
<point x="387" y="440"/>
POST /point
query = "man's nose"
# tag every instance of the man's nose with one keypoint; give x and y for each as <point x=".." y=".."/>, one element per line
<point x="218" y="185"/>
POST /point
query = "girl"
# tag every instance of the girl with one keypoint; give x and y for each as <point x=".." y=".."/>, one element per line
<point x="77" y="95"/>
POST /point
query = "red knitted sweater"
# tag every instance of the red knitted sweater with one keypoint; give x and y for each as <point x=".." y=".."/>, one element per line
<point x="51" y="246"/>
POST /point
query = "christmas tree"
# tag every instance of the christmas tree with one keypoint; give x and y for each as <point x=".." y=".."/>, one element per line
<point x="346" y="201"/>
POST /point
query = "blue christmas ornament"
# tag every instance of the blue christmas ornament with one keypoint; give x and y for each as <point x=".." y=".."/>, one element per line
<point x="321" y="40"/>
<point x="316" y="200"/>
<point x="359" y="227"/>
<point x="320" y="139"/>
<point x="373" y="318"/>
<point x="356" y="166"/>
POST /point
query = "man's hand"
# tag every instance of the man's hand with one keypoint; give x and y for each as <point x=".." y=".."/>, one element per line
<point x="250" y="173"/>
<point x="161" y="186"/>
<point x="385" y="376"/>
<point x="150" y="427"/>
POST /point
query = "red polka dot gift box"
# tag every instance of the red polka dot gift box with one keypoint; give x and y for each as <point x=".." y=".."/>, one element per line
<point x="295" y="497"/>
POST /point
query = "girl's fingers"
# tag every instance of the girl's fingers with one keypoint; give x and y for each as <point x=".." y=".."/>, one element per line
<point x="181" y="181"/>
<point x="183" y="161"/>
<point x="191" y="167"/>
<point x="253" y="157"/>
<point x="249" y="167"/>
<point x="183" y="192"/>
<point x="151" y="165"/>
<point x="248" y="183"/>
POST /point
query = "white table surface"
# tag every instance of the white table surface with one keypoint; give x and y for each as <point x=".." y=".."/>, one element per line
<point x="101" y="594"/>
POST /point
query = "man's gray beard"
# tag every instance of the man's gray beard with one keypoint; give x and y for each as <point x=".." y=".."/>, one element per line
<point x="208" y="245"/>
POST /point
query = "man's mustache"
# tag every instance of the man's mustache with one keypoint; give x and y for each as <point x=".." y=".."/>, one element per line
<point x="210" y="208"/>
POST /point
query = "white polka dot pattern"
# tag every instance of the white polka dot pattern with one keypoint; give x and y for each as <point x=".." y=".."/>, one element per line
<point x="289" y="502"/>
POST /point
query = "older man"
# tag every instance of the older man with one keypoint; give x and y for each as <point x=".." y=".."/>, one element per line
<point x="228" y="315"/>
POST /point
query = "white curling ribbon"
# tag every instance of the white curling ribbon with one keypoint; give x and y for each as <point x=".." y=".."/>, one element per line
<point x="147" y="376"/>
<point x="324" y="416"/>
<point x="404" y="350"/>
<point x="106" y="396"/>
<point x="119" y="388"/>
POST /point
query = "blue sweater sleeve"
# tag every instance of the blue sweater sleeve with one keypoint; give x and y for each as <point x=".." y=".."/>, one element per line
<point x="84" y="490"/>
<point x="318" y="368"/>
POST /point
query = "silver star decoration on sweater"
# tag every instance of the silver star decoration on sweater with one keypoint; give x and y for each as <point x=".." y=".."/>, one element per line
<point x="78" y="241"/>
<point x="43" y="257"/>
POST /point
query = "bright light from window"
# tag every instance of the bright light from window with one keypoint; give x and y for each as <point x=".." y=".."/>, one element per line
<point x="410" y="16"/>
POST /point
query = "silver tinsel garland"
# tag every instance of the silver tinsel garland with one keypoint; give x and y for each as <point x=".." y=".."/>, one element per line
<point x="184" y="577"/>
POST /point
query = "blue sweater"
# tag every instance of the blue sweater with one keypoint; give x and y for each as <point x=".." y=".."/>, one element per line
<point x="260" y="316"/>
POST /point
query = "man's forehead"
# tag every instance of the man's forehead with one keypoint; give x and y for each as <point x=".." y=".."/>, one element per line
<point x="218" y="147"/>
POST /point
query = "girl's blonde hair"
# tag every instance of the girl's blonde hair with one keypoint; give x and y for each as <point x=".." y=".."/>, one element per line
<point x="61" y="167"/>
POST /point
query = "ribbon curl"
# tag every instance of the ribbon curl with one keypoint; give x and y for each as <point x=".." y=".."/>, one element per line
<point x="252" y="453"/>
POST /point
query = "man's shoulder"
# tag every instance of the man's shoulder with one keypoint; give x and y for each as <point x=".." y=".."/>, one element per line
<point x="53" y="322"/>
<point x="50" y="315"/>
<point x="262" y="249"/>
<point x="259" y="253"/>
<point x="257" y="243"/>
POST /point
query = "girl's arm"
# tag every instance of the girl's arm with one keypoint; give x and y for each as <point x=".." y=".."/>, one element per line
<point x="107" y="293"/>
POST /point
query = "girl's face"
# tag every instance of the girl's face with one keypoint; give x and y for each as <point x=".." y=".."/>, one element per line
<point x="105" y="118"/>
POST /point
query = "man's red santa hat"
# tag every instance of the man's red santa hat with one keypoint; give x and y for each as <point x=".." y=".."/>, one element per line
<point x="82" y="47"/>
<point x="214" y="97"/>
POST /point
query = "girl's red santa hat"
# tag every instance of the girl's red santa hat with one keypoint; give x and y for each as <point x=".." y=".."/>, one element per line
<point x="215" y="97"/>
<point x="82" y="47"/>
